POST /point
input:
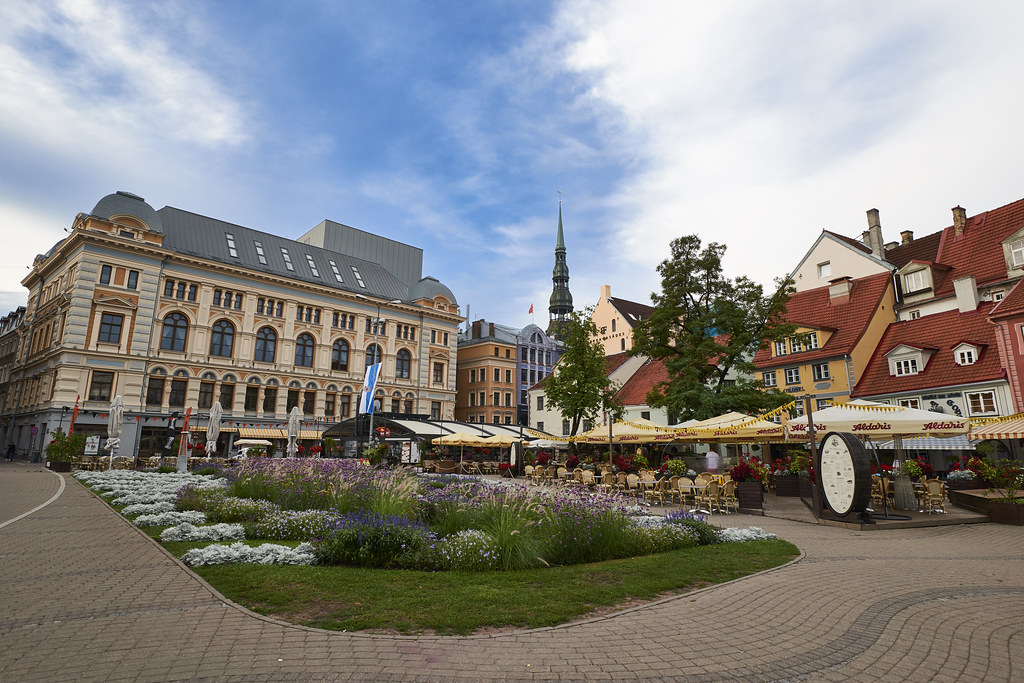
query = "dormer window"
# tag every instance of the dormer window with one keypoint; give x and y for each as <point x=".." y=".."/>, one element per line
<point x="965" y="354"/>
<point x="1017" y="253"/>
<point x="780" y="348"/>
<point x="906" y="367"/>
<point x="914" y="282"/>
<point x="795" y="346"/>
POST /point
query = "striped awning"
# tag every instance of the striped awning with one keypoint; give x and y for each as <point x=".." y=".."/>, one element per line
<point x="1010" y="428"/>
<point x="275" y="433"/>
<point x="931" y="443"/>
<point x="196" y="429"/>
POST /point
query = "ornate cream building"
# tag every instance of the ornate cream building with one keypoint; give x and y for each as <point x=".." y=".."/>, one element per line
<point x="170" y="309"/>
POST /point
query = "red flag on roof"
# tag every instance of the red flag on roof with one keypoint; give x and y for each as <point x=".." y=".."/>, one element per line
<point x="531" y="308"/>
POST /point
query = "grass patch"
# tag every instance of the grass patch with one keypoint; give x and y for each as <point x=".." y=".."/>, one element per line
<point x="352" y="599"/>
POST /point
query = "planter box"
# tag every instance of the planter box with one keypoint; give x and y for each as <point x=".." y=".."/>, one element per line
<point x="1006" y="513"/>
<point x="58" y="466"/>
<point x="965" y="485"/>
<point x="787" y="487"/>
<point x="749" y="495"/>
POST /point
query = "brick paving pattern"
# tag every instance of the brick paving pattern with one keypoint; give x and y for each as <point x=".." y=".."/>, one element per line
<point x="87" y="597"/>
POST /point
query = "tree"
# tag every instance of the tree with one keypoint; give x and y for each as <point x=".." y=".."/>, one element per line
<point x="579" y="386"/>
<point x="707" y="329"/>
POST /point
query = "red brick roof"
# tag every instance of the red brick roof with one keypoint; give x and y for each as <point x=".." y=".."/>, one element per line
<point x="942" y="331"/>
<point x="1011" y="303"/>
<point x="979" y="251"/>
<point x="921" y="249"/>
<point x="634" y="391"/>
<point x="813" y="309"/>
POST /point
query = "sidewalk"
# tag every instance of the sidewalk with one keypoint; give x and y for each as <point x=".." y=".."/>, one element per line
<point x="88" y="597"/>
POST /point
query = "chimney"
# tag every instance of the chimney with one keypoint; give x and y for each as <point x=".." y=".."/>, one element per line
<point x="966" y="289"/>
<point x="476" y="330"/>
<point x="875" y="233"/>
<point x="906" y="236"/>
<point x="959" y="220"/>
<point x="490" y="329"/>
<point x="606" y="291"/>
<point x="839" y="290"/>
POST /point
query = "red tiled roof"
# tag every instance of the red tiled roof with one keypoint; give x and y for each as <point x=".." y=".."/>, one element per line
<point x="634" y="391"/>
<point x="979" y="251"/>
<point x="943" y="331"/>
<point x="812" y="309"/>
<point x="921" y="249"/>
<point x="1012" y="302"/>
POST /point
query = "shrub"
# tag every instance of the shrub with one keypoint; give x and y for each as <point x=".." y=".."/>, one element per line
<point x="469" y="550"/>
<point x="166" y="469"/>
<point x="199" y="497"/>
<point x="231" y="509"/>
<point x="706" y="534"/>
<point x="267" y="553"/>
<point x="293" y="525"/>
<point x="508" y="515"/>
<point x="659" y="538"/>
<point x="214" y="532"/>
<point x="371" y="541"/>
<point x="577" y="527"/>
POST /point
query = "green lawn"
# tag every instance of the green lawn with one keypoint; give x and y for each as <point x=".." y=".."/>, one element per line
<point x="343" y="598"/>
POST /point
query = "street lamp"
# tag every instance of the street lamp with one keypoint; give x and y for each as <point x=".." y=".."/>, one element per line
<point x="376" y="349"/>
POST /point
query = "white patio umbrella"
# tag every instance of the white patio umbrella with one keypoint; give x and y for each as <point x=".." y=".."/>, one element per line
<point x="213" y="428"/>
<point x="294" y="420"/>
<point x="114" y="427"/>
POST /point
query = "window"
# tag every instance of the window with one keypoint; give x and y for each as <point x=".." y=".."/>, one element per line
<point x="533" y="355"/>
<point x="981" y="402"/>
<point x="472" y="400"/>
<point x="540" y="426"/>
<point x="192" y="291"/>
<point x="329" y="403"/>
<point x="613" y="325"/>
<point x="524" y="354"/>
<point x="180" y="293"/>
<point x="795" y="345"/>
<point x="435" y="410"/>
<point x="227" y="395"/>
<point x="217" y="294"/>
<point x="811" y="341"/>
<point x="312" y="266"/>
<point x="308" y="402"/>
<point x="495" y="351"/>
<point x="101" y="386"/>
<point x="155" y="391"/>
<point x="259" y="252"/>
<point x="565" y="427"/>
<point x="222" y="339"/>
<point x="914" y="282"/>
<point x="497" y="374"/>
<point x="914" y="315"/>
<point x="622" y="344"/>
<point x="998" y="295"/>
<point x="266" y="345"/>
<point x="396" y="405"/>
<point x="780" y="348"/>
<point x="433" y="336"/>
<point x="358" y="277"/>
<point x="481" y="396"/>
<point x="373" y="354"/>
<point x="346" y="402"/>
<point x="820" y="371"/>
<point x="287" y="259"/>
<point x="824" y="270"/>
<point x="110" y="328"/>
<point x="133" y="279"/>
<point x="176" y="399"/>
<point x="304" y="347"/>
<point x="540" y="403"/>
<point x="645" y="415"/>
<point x="508" y="399"/>
<point x="232" y="252"/>
<point x="175" y="332"/>
<point x="339" y="356"/>
<point x="508" y="377"/>
<point x="906" y="367"/>
<point x="522" y="376"/>
<point x="1017" y="253"/>
<point x="792" y="375"/>
<point x="909" y="403"/>
<point x="444" y="339"/>
<point x="252" y="394"/>
<point x="965" y="357"/>
<point x="438" y="373"/>
<point x="337" y="273"/>
<point x="472" y="376"/>
<point x="206" y="395"/>
<point x="403" y="365"/>
<point x="495" y="399"/>
<point x="768" y="378"/>
<point x="270" y="400"/>
<point x="105" y="272"/>
<point x="169" y="288"/>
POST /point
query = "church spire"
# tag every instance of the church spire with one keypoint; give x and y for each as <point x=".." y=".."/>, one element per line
<point x="560" y="307"/>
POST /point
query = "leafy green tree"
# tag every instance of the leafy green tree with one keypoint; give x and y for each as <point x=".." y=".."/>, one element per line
<point x="707" y="328"/>
<point x="579" y="387"/>
<point x="64" y="447"/>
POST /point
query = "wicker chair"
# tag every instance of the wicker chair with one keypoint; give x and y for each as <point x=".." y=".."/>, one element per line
<point x="727" y="497"/>
<point x="709" y="497"/>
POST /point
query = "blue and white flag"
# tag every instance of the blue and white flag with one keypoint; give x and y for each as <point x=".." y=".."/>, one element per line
<point x="369" y="387"/>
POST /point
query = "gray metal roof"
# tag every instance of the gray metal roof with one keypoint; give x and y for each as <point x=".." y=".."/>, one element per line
<point x="428" y="288"/>
<point x="204" y="237"/>
<point x="127" y="204"/>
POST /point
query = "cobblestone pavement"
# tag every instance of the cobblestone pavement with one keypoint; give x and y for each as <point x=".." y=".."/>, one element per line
<point x="87" y="597"/>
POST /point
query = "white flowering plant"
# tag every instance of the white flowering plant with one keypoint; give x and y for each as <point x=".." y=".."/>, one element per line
<point x="212" y="532"/>
<point x="753" y="533"/>
<point x="960" y="476"/>
<point x="266" y="553"/>
<point x="169" y="518"/>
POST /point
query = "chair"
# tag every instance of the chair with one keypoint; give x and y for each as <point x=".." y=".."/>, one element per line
<point x="672" y="488"/>
<point x="934" y="496"/>
<point x="919" y="492"/>
<point x="528" y="472"/>
<point x="560" y="476"/>
<point x="708" y="497"/>
<point x="620" y="482"/>
<point x="632" y="485"/>
<point x="577" y="477"/>
<point x="657" y="492"/>
<point x="727" y="497"/>
<point x="607" y="484"/>
<point x="702" y="479"/>
<point x="552" y="475"/>
<point x="687" y="492"/>
<point x="588" y="479"/>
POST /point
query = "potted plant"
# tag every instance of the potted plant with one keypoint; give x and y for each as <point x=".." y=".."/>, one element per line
<point x="749" y="475"/>
<point x="63" y="449"/>
<point x="962" y="479"/>
<point x="329" y="446"/>
<point x="787" y="472"/>
<point x="1006" y="478"/>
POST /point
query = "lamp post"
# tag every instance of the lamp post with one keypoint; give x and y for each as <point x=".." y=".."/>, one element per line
<point x="376" y="349"/>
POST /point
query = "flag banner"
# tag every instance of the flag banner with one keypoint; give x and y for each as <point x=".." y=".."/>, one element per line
<point x="531" y="308"/>
<point x="369" y="386"/>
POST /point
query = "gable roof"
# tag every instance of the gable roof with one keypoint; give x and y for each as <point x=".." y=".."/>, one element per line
<point x="944" y="332"/>
<point x="852" y="241"/>
<point x="632" y="311"/>
<point x="978" y="251"/>
<point x="634" y="391"/>
<point x="611" y="363"/>
<point x="1012" y="303"/>
<point x="813" y="309"/>
<point x="924" y="249"/>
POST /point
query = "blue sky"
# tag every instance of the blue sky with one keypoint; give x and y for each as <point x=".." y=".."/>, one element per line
<point x="452" y="127"/>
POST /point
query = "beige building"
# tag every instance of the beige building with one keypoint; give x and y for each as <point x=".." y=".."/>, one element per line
<point x="615" y="319"/>
<point x="172" y="310"/>
<point x="487" y="382"/>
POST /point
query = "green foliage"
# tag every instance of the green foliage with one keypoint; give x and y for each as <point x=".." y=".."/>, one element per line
<point x="676" y="468"/>
<point x="64" y="447"/>
<point x="166" y="469"/>
<point x="707" y="328"/>
<point x="579" y="387"/>
<point x="1005" y="476"/>
<point x="376" y="454"/>
<point x="371" y="541"/>
<point x="330" y="445"/>
<point x="509" y="520"/>
<point x="271" y="449"/>
<point x="706" y="534"/>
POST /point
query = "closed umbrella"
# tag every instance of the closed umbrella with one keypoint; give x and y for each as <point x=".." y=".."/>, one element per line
<point x="114" y="427"/>
<point x="294" y="420"/>
<point x="213" y="428"/>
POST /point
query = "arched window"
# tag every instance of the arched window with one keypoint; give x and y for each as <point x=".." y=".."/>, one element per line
<point x="304" y="346"/>
<point x="403" y="364"/>
<point x="222" y="339"/>
<point x="373" y="355"/>
<point x="339" y="356"/>
<point x="266" y="345"/>
<point x="174" y="333"/>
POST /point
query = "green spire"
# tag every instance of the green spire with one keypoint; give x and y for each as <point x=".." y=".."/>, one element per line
<point x="560" y="304"/>
<point x="560" y="244"/>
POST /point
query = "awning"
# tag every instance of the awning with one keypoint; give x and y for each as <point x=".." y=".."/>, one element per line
<point x="931" y="443"/>
<point x="271" y="433"/>
<point x="1011" y="427"/>
<point x="197" y="429"/>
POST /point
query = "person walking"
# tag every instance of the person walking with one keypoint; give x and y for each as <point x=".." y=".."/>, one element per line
<point x="10" y="451"/>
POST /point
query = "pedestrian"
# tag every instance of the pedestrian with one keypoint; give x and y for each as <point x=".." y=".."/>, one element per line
<point x="712" y="462"/>
<point x="10" y="451"/>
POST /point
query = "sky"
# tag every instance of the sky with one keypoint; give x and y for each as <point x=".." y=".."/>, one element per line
<point x="458" y="127"/>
